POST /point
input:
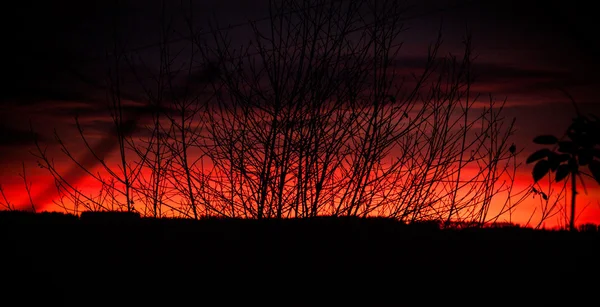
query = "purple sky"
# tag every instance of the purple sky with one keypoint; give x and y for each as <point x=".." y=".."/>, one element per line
<point x="528" y="52"/>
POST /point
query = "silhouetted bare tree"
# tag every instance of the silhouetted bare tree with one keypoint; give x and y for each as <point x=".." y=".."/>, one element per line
<point x="313" y="115"/>
<point x="312" y="118"/>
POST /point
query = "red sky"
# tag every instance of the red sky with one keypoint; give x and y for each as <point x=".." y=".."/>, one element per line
<point x="527" y="54"/>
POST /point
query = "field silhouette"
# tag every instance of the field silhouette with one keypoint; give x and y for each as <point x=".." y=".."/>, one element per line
<point x="123" y="259"/>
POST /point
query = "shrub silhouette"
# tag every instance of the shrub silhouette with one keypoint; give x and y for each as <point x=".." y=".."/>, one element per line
<point x="28" y="217"/>
<point x="347" y="251"/>
<point x="588" y="227"/>
<point x="109" y="216"/>
<point x="568" y="157"/>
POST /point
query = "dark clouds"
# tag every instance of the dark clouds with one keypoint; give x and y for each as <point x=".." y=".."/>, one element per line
<point x="10" y="136"/>
<point x="55" y="50"/>
<point x="552" y="117"/>
<point x="514" y="81"/>
<point x="559" y="33"/>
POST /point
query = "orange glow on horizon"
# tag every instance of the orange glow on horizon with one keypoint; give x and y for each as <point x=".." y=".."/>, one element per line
<point x="526" y="213"/>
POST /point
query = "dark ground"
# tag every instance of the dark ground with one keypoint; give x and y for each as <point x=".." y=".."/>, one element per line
<point x="51" y="258"/>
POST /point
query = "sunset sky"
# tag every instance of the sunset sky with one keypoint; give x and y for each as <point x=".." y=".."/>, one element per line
<point x="526" y="53"/>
